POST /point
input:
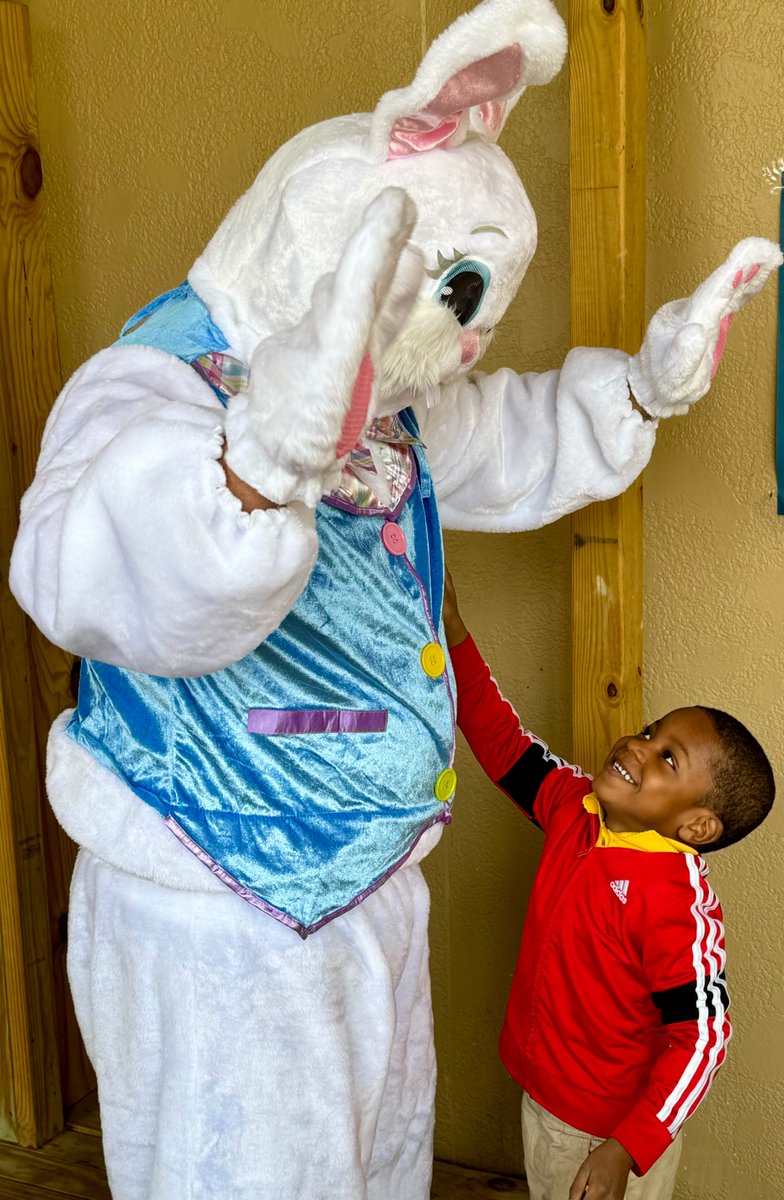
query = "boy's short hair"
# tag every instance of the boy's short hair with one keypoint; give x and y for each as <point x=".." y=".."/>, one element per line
<point x="743" y="785"/>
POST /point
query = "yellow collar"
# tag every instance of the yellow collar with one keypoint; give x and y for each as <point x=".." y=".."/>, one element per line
<point x="649" y="840"/>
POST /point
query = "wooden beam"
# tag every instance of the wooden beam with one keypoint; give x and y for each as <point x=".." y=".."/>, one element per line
<point x="607" y="69"/>
<point x="29" y="669"/>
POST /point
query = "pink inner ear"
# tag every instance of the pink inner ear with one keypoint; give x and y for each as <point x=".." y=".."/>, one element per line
<point x="491" y="78"/>
<point x="485" y="83"/>
<point x="492" y="116"/>
<point x="414" y="135"/>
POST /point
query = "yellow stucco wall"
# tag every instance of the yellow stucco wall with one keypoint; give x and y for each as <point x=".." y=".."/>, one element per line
<point x="154" y="117"/>
<point x="714" y="548"/>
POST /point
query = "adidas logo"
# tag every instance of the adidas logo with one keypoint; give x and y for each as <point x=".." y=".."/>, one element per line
<point x="621" y="889"/>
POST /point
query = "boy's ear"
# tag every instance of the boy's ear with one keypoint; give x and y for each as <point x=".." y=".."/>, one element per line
<point x="700" y="827"/>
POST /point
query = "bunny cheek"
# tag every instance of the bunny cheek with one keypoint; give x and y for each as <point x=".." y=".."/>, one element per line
<point x="426" y="352"/>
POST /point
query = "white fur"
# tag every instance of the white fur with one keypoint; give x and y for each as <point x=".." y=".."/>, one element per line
<point x="426" y="350"/>
<point x="99" y="812"/>
<point x="236" y="1061"/>
<point x="232" y="1058"/>
<point x="282" y="432"/>
<point x="674" y="366"/>
<point x="131" y="549"/>
<point x="587" y="442"/>
<point x="533" y="24"/>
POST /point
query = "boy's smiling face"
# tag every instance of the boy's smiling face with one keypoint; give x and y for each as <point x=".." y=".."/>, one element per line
<point x="658" y="779"/>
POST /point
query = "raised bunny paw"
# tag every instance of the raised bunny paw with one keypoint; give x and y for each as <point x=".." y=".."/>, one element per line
<point x="311" y="388"/>
<point x="686" y="338"/>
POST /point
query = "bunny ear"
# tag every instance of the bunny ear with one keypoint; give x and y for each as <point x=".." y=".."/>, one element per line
<point x="471" y="78"/>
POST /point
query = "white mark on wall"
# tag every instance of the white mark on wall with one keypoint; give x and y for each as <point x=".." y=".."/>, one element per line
<point x="773" y="175"/>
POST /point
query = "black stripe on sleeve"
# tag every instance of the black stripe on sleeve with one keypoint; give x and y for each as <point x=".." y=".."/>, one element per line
<point x="683" y="1003"/>
<point x="523" y="780"/>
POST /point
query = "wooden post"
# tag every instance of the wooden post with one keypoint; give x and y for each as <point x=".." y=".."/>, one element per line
<point x="607" y="66"/>
<point x="33" y="675"/>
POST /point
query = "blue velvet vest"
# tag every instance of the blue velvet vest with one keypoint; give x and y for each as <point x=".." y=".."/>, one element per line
<point x="304" y="774"/>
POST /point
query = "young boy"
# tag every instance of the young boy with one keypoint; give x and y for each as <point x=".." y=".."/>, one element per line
<point x="617" y="1018"/>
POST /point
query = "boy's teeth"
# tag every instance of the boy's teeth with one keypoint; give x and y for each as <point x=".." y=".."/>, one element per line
<point x="622" y="771"/>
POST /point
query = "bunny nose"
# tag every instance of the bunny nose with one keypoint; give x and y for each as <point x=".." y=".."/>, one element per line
<point x="469" y="347"/>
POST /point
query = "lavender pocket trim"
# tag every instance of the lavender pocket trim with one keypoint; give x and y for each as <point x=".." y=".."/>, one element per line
<point x="273" y="721"/>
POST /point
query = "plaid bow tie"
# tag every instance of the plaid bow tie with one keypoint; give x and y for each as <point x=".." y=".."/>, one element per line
<point x="378" y="469"/>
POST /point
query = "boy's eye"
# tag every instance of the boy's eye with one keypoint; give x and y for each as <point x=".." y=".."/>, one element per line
<point x="463" y="289"/>
<point x="646" y="733"/>
<point x="668" y="757"/>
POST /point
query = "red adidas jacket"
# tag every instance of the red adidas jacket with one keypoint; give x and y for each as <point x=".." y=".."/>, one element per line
<point x="617" y="1017"/>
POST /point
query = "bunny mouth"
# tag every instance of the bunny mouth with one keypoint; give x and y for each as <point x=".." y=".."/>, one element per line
<point x="470" y="348"/>
<point x="473" y="344"/>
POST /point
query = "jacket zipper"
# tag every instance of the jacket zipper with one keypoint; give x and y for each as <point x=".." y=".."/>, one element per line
<point x="581" y="859"/>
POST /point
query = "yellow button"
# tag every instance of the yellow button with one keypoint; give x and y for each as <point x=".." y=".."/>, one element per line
<point x="432" y="659"/>
<point x="446" y="784"/>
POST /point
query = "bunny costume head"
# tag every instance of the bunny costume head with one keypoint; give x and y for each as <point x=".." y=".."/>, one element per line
<point x="436" y="139"/>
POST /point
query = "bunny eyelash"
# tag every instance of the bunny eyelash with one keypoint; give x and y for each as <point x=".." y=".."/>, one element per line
<point x="458" y="255"/>
<point x="445" y="263"/>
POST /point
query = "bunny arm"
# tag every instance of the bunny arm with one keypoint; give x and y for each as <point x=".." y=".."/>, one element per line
<point x="131" y="548"/>
<point x="512" y="452"/>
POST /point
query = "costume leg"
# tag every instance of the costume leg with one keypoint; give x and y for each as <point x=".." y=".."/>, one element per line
<point x="401" y="1166"/>
<point x="236" y="1060"/>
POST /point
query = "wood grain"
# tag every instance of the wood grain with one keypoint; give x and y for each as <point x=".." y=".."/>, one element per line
<point x="30" y="378"/>
<point x="14" y="1189"/>
<point x="53" y="1172"/>
<point x="460" y="1183"/>
<point x="72" y="1165"/>
<point x="33" y="675"/>
<point x="607" y="64"/>
<point x="11" y="954"/>
<point x="85" y="1117"/>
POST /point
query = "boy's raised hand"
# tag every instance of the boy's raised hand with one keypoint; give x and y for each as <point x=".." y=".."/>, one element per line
<point x="604" y="1174"/>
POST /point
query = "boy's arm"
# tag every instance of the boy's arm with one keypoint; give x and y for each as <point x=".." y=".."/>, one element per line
<point x="684" y="960"/>
<point x="515" y="760"/>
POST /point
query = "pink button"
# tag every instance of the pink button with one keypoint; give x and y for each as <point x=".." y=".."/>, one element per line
<point x="393" y="538"/>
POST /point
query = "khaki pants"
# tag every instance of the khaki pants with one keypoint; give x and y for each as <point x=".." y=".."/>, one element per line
<point x="554" y="1153"/>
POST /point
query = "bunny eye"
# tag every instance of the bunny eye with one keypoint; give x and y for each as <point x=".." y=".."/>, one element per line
<point x="463" y="288"/>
